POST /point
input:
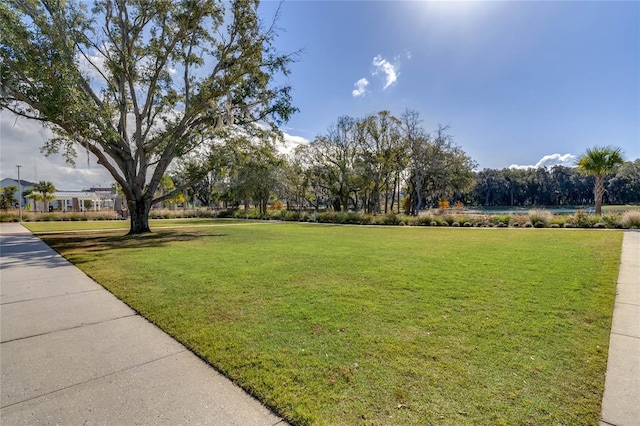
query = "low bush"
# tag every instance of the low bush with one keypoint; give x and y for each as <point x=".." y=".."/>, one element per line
<point x="390" y="219"/>
<point x="504" y="219"/>
<point x="424" y="219"/>
<point x="541" y="216"/>
<point x="225" y="214"/>
<point x="581" y="219"/>
<point x="612" y="220"/>
<point x="518" y="220"/>
<point x="9" y="217"/>
<point x="349" y="218"/>
<point x="631" y="219"/>
<point x="326" y="217"/>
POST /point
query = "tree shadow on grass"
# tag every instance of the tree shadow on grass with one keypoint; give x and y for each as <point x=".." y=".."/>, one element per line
<point x="99" y="243"/>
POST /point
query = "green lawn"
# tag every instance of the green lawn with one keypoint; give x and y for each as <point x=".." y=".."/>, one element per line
<point x="380" y="325"/>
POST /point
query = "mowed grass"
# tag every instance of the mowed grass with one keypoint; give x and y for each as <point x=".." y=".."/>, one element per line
<point x="380" y="325"/>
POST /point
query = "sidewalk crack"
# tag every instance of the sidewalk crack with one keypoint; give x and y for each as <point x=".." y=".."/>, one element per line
<point x="95" y="378"/>
<point x="85" y="324"/>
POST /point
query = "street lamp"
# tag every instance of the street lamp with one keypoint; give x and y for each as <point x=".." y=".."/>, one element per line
<point x="19" y="196"/>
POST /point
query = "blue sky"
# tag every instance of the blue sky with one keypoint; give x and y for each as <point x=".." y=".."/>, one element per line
<point x="516" y="81"/>
<point x="519" y="83"/>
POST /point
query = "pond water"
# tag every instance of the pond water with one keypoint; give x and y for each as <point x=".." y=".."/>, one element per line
<point x="524" y="210"/>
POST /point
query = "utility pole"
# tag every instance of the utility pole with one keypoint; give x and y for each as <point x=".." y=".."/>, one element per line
<point x="19" y="196"/>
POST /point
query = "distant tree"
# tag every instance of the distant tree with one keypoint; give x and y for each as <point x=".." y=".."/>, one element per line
<point x="7" y="197"/>
<point x="257" y="171"/>
<point x="437" y="165"/>
<point x="140" y="84"/>
<point x="380" y="141"/>
<point x="167" y="186"/>
<point x="46" y="190"/>
<point x="332" y="158"/>
<point x="599" y="162"/>
<point x="624" y="186"/>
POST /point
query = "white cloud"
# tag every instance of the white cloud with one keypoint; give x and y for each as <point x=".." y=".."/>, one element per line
<point x="361" y="87"/>
<point x="21" y="140"/>
<point x="291" y="142"/>
<point x="551" y="160"/>
<point x="387" y="68"/>
<point x="93" y="66"/>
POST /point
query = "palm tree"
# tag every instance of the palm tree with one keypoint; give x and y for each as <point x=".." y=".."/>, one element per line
<point x="46" y="190"/>
<point x="600" y="161"/>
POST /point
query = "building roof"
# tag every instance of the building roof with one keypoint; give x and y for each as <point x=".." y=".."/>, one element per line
<point x="81" y="195"/>
<point x="11" y="181"/>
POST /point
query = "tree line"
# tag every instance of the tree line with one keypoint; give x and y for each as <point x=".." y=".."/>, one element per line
<point x="555" y="186"/>
<point x="377" y="164"/>
<point x="381" y="163"/>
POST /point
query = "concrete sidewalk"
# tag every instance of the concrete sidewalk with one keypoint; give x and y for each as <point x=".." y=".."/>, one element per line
<point x="71" y="353"/>
<point x="621" y="401"/>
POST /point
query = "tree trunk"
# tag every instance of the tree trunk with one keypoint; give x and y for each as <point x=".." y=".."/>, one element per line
<point x="139" y="212"/>
<point x="598" y="193"/>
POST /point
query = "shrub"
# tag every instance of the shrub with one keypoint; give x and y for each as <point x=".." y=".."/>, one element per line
<point x="581" y="219"/>
<point x="277" y="205"/>
<point x="390" y="219"/>
<point x="540" y="215"/>
<point x="275" y="214"/>
<point x="326" y="217"/>
<point x="225" y="214"/>
<point x="424" y="219"/>
<point x="504" y="219"/>
<point x="366" y="219"/>
<point x="456" y="218"/>
<point x="519" y="219"/>
<point x="631" y="219"/>
<point x="346" y="218"/>
<point x="291" y="216"/>
<point x="8" y="217"/>
<point x="443" y="203"/>
<point x="612" y="220"/>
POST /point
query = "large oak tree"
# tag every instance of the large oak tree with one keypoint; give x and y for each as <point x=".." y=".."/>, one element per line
<point x="141" y="83"/>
